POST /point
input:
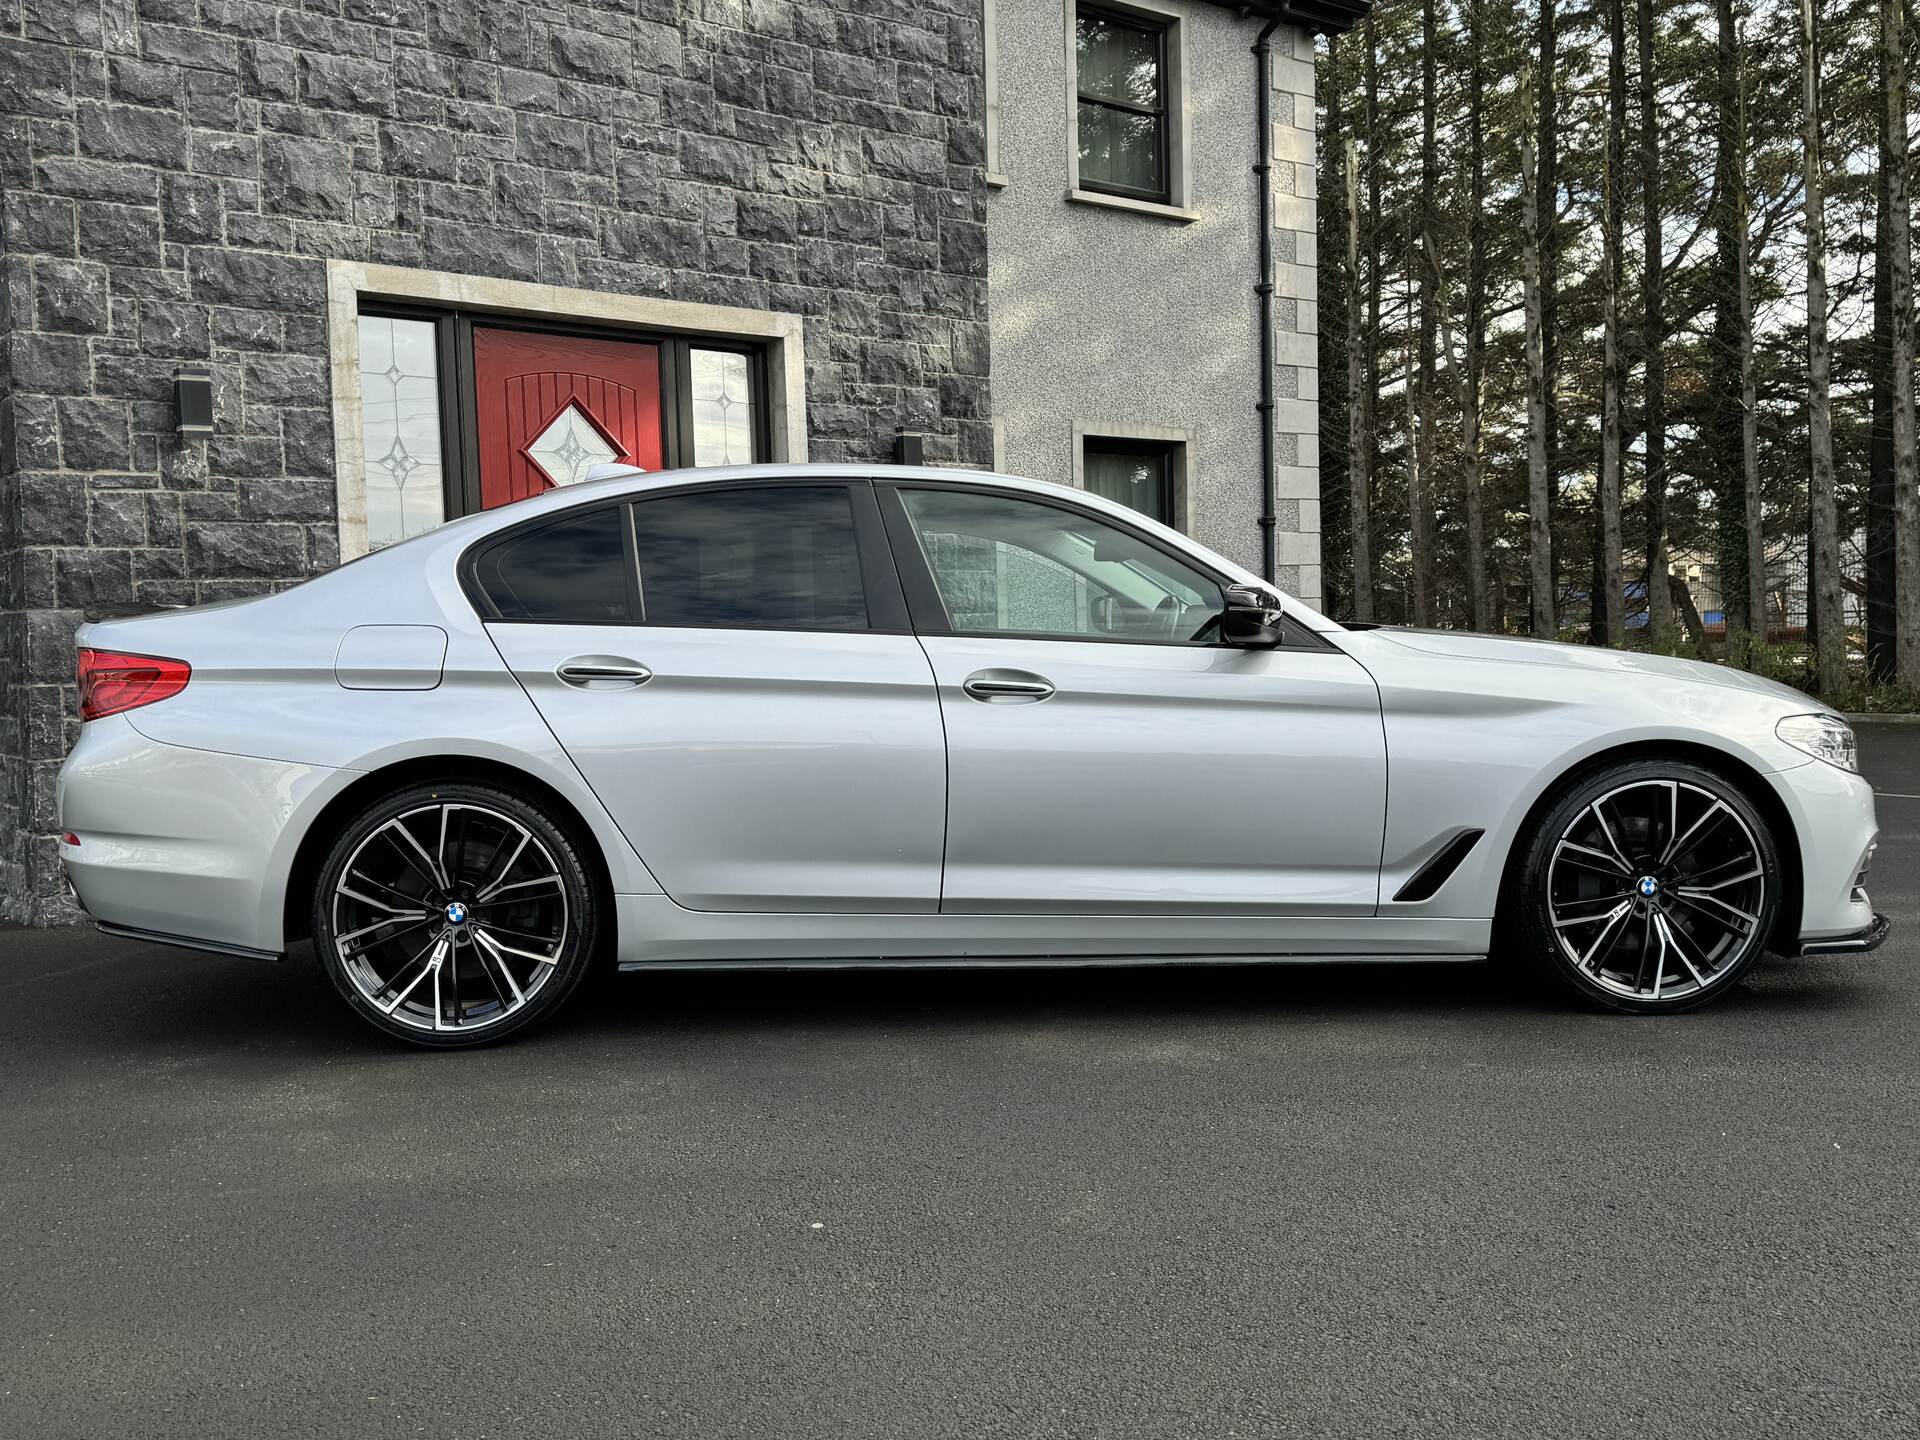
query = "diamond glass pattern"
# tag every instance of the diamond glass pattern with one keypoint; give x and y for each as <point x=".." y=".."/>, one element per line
<point x="569" y="446"/>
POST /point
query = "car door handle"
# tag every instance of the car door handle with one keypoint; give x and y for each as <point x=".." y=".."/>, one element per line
<point x="1006" y="685"/>
<point x="603" y="671"/>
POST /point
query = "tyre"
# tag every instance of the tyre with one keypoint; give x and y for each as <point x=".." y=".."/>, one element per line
<point x="455" y="914"/>
<point x="1649" y="886"/>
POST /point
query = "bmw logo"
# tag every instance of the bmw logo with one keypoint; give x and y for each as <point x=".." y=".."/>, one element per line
<point x="456" y="913"/>
<point x="1648" y="887"/>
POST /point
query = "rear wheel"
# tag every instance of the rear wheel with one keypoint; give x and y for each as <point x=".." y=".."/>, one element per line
<point x="1649" y="886"/>
<point x="455" y="914"/>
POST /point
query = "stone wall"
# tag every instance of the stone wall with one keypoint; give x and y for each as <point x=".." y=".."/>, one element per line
<point x="177" y="172"/>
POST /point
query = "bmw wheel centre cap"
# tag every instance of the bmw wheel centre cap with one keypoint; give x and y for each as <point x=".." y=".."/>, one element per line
<point x="1648" y="887"/>
<point x="456" y="913"/>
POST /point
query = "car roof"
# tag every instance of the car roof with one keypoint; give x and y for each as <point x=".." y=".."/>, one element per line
<point x="611" y="481"/>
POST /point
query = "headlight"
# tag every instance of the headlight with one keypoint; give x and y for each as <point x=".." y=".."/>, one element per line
<point x="1825" y="737"/>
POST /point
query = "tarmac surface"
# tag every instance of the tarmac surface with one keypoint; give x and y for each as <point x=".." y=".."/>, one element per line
<point x="1367" y="1201"/>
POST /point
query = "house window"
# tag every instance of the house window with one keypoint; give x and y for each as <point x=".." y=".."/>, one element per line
<point x="1121" y="63"/>
<point x="464" y="412"/>
<point x="723" y="409"/>
<point x="1139" y="473"/>
<point x="400" y="408"/>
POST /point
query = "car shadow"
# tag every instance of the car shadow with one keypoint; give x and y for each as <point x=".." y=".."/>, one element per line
<point x="181" y="1007"/>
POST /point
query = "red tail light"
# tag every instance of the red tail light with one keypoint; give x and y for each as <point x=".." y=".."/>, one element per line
<point x="110" y="683"/>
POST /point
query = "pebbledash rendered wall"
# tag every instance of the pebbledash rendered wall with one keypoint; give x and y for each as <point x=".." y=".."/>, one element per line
<point x="178" y="173"/>
<point x="1130" y="320"/>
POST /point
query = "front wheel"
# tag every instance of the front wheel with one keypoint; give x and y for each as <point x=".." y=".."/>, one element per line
<point x="454" y="914"/>
<point x="1649" y="886"/>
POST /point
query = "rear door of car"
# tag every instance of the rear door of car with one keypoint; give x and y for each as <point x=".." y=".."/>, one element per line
<point x="731" y="667"/>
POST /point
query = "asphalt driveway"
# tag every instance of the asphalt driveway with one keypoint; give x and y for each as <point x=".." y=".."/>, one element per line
<point x="1196" y="1202"/>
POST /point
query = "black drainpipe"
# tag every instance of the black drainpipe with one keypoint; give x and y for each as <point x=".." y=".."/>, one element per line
<point x="1263" y="106"/>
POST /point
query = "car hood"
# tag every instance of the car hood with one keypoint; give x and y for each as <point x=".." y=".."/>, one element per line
<point x="1628" y="664"/>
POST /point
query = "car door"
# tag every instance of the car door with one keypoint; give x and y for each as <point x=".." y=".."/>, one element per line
<point x="1105" y="752"/>
<point x="731" y="668"/>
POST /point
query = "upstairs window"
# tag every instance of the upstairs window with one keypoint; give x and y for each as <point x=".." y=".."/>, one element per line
<point x="1121" y="61"/>
<point x="1139" y="473"/>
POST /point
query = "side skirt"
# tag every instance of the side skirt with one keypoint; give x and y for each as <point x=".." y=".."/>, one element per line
<point x="1040" y="962"/>
<point x="655" y="933"/>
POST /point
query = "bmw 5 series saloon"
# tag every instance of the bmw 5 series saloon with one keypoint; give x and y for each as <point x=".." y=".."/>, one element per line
<point x="788" y="716"/>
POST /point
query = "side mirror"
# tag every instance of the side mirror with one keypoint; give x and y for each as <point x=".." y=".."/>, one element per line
<point x="1252" y="618"/>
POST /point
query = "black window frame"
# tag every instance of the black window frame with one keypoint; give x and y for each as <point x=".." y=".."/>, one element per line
<point x="887" y="608"/>
<point x="459" y="397"/>
<point x="1161" y="31"/>
<point x="1168" y="452"/>
<point x="929" y="610"/>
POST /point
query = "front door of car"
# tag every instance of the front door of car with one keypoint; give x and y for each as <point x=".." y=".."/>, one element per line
<point x="732" y="669"/>
<point x="1105" y="752"/>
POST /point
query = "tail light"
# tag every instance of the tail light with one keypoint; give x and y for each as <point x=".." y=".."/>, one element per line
<point x="111" y="682"/>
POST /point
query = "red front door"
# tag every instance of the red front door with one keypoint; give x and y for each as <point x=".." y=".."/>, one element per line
<point x="551" y="406"/>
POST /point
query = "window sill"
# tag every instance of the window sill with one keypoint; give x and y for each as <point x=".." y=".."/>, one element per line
<point x="1138" y="207"/>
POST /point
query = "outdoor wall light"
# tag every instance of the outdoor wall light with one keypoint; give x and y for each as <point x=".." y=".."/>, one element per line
<point x="193" y="402"/>
<point x="909" y="448"/>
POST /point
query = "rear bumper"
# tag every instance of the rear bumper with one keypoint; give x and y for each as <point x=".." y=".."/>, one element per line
<point x="1859" y="943"/>
<point x="179" y="845"/>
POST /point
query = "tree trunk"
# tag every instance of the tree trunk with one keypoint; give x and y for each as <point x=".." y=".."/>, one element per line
<point x="1726" y="373"/>
<point x="1417" y="506"/>
<point x="1755" y="517"/>
<point x="1906" y="513"/>
<point x="1539" y="486"/>
<point x="1371" y="390"/>
<point x="1546" y="187"/>
<point x="1654" y="338"/>
<point x="1612" y="590"/>
<point x="1470" y="436"/>
<point x="1689" y="615"/>
<point x="1826" y="615"/>
<point x="1421" y="382"/>
<point x="1359" y="444"/>
<point x="1878" y="597"/>
<point x="1476" y="320"/>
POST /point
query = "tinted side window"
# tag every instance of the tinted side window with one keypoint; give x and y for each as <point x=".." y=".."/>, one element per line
<point x="767" y="557"/>
<point x="572" y="570"/>
<point x="1022" y="567"/>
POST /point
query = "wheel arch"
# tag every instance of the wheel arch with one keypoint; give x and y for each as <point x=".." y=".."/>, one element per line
<point x="1735" y="771"/>
<point x="333" y="817"/>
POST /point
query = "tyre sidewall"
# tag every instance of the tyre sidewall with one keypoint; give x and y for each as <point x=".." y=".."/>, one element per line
<point x="582" y="902"/>
<point x="1529" y="900"/>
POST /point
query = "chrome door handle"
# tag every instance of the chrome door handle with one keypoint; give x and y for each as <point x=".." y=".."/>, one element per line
<point x="991" y="685"/>
<point x="585" y="671"/>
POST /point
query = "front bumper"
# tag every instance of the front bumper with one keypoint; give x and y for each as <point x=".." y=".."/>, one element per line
<point x="1833" y="820"/>
<point x="1861" y="943"/>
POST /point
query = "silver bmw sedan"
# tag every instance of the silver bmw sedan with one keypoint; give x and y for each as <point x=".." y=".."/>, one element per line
<point x="793" y="716"/>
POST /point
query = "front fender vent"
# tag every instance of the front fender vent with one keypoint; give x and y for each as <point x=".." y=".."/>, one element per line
<point x="1428" y="879"/>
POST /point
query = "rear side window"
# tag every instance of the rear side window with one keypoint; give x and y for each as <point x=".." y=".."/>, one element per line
<point x="573" y="570"/>
<point x="766" y="557"/>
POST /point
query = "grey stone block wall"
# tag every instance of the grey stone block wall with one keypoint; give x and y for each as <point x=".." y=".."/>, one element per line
<point x="176" y="173"/>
